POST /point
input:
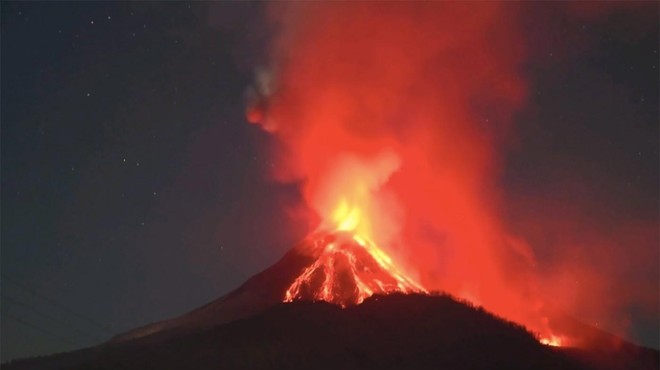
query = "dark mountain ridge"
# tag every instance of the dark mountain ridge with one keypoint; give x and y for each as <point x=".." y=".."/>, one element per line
<point x="384" y="332"/>
<point x="251" y="328"/>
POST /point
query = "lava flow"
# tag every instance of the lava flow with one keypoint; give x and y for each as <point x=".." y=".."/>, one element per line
<point x="348" y="268"/>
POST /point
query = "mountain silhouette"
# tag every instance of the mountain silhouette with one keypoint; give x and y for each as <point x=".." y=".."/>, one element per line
<point x="396" y="325"/>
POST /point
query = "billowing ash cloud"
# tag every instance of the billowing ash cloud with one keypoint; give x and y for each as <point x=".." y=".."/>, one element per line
<point x="401" y="109"/>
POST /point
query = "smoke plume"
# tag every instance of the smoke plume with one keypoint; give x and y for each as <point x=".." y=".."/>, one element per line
<point x="402" y="109"/>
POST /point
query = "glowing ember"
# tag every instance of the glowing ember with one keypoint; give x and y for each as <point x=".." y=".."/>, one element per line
<point x="349" y="266"/>
<point x="552" y="340"/>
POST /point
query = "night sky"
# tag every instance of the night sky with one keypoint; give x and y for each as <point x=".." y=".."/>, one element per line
<point x="134" y="190"/>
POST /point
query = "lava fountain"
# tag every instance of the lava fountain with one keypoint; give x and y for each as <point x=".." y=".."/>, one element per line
<point x="349" y="267"/>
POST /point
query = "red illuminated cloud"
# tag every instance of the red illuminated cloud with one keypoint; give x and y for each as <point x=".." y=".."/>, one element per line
<point x="400" y="109"/>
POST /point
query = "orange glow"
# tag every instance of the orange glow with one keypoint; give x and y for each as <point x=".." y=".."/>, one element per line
<point x="552" y="340"/>
<point x="347" y="218"/>
<point x="349" y="267"/>
<point x="390" y="118"/>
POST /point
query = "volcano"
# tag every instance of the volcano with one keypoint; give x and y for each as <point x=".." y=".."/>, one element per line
<point x="347" y="269"/>
<point x="337" y="301"/>
<point x="338" y="267"/>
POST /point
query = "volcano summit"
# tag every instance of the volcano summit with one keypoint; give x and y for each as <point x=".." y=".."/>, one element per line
<point x="346" y="270"/>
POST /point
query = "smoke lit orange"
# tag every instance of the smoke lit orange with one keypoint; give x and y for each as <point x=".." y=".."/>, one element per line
<point x="389" y="116"/>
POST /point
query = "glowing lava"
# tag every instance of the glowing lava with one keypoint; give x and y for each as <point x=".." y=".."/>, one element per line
<point x="349" y="267"/>
<point x="552" y="340"/>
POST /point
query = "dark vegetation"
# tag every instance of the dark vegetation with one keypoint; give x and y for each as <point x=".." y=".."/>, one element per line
<point x="385" y="332"/>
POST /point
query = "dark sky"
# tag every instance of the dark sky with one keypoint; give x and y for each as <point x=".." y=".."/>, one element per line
<point x="133" y="190"/>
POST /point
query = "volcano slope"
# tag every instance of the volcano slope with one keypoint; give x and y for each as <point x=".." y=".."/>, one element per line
<point x="396" y="331"/>
<point x="251" y="327"/>
<point x="325" y="266"/>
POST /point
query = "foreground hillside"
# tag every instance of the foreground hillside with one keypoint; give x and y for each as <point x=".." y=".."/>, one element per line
<point x="385" y="332"/>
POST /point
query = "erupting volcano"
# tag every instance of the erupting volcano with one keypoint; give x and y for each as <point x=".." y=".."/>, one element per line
<point x="376" y="320"/>
<point x="337" y="294"/>
<point x="348" y="268"/>
<point x="440" y="182"/>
